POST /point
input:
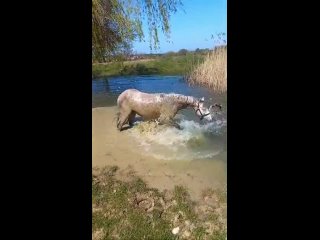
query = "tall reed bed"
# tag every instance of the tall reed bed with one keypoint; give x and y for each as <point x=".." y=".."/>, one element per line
<point x="212" y="72"/>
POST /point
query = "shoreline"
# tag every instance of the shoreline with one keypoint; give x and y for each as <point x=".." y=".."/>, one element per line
<point x="165" y="65"/>
<point x="98" y="78"/>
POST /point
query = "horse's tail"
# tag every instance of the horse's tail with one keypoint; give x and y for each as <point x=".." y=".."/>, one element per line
<point x="121" y="98"/>
<point x="116" y="117"/>
<point x="119" y="103"/>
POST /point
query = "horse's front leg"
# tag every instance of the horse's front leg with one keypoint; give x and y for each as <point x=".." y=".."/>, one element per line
<point x="167" y="121"/>
<point x="174" y="124"/>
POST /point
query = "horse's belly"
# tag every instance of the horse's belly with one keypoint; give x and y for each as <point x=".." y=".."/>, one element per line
<point x="148" y="114"/>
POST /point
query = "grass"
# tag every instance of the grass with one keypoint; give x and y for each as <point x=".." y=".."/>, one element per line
<point x="132" y="210"/>
<point x="184" y="204"/>
<point x="212" y="72"/>
<point x="164" y="65"/>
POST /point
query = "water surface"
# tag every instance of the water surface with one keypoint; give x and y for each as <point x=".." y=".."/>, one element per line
<point x="199" y="141"/>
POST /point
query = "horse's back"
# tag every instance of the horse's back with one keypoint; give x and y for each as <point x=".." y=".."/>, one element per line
<point x="127" y="94"/>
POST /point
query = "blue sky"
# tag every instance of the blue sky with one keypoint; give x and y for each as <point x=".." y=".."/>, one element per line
<point x="192" y="28"/>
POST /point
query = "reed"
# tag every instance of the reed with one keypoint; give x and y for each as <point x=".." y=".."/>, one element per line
<point x="212" y="72"/>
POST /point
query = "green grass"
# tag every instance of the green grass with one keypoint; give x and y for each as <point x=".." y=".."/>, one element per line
<point x="164" y="65"/>
<point x="184" y="204"/>
<point x="132" y="210"/>
<point x="119" y="216"/>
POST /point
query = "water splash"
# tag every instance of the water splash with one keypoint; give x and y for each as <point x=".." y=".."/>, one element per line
<point x="194" y="141"/>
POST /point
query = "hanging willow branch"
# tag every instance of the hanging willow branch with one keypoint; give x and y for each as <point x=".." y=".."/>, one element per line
<point x="115" y="22"/>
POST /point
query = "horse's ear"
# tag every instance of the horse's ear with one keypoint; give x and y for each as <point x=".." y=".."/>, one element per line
<point x="216" y="107"/>
<point x="202" y="99"/>
<point x="219" y="106"/>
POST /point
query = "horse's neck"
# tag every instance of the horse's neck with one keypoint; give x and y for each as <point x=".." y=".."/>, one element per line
<point x="186" y="101"/>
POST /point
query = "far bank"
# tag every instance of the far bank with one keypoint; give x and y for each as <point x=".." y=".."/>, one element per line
<point x="161" y="65"/>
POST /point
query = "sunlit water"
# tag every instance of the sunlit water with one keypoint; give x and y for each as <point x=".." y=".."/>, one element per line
<point x="197" y="140"/>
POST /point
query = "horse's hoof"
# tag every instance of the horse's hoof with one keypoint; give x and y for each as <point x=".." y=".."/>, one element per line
<point x="178" y="127"/>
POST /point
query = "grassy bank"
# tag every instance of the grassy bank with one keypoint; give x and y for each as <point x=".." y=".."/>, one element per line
<point x="212" y="72"/>
<point x="129" y="209"/>
<point x="163" y="65"/>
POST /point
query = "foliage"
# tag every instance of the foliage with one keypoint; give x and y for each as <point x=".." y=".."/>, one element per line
<point x="116" y="22"/>
<point x="183" y="51"/>
<point x="163" y="65"/>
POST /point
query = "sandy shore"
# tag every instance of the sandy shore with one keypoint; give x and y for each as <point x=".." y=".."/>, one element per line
<point x="111" y="147"/>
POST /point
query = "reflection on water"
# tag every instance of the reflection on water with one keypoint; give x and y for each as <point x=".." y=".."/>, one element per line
<point x="197" y="140"/>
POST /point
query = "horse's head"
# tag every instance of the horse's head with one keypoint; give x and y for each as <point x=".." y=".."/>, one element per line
<point x="204" y="112"/>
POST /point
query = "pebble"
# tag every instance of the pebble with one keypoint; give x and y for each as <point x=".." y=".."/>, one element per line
<point x="175" y="230"/>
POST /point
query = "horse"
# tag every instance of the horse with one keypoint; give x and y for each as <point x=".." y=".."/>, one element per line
<point x="160" y="107"/>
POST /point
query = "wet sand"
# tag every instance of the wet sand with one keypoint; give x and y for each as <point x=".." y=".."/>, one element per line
<point x="111" y="147"/>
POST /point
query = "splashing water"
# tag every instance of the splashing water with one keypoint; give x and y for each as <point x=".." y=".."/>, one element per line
<point x="194" y="141"/>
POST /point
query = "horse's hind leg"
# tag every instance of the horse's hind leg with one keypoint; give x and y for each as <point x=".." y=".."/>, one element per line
<point x="123" y="118"/>
<point x="131" y="118"/>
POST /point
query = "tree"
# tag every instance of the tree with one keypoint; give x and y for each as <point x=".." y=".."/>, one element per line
<point x="183" y="51"/>
<point x="170" y="54"/>
<point x="115" y="22"/>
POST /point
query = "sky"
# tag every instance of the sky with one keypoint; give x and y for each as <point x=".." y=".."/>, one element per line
<point x="191" y="28"/>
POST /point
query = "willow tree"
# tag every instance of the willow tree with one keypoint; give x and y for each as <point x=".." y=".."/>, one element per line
<point x="119" y="22"/>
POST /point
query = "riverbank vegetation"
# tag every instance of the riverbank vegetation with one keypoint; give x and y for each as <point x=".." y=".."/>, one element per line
<point x="212" y="71"/>
<point x="165" y="64"/>
<point x="203" y="67"/>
